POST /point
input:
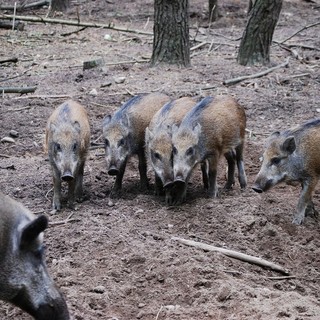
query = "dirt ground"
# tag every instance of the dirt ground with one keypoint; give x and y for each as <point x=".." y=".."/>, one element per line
<point x="120" y="262"/>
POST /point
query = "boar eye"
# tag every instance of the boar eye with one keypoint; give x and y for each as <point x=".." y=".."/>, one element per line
<point x="106" y="143"/>
<point x="121" y="142"/>
<point x="174" y="151"/>
<point x="58" y="147"/>
<point x="189" y="152"/>
<point x="156" y="155"/>
<point x="275" y="161"/>
<point x="75" y="146"/>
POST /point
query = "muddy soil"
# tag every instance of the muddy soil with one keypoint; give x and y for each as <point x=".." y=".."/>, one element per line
<point x="118" y="261"/>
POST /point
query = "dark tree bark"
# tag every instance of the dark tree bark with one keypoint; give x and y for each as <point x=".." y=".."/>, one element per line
<point x="257" y="37"/>
<point x="213" y="10"/>
<point x="171" y="33"/>
<point x="59" y="5"/>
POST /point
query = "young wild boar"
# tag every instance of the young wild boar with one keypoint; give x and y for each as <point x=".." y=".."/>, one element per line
<point x="213" y="127"/>
<point x="24" y="279"/>
<point x="124" y="135"/>
<point x="159" y="142"/>
<point x="67" y="143"/>
<point x="293" y="155"/>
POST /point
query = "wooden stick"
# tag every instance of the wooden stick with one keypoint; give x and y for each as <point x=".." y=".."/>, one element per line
<point x="282" y="278"/>
<point x="14" y="60"/>
<point x="27" y="6"/>
<point x="256" y="75"/>
<point x="59" y="223"/>
<point x="74" y="23"/>
<point x="233" y="254"/>
<point x="21" y="90"/>
<point x="304" y="28"/>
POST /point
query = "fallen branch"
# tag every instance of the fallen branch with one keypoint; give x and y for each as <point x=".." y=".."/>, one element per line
<point x="33" y="5"/>
<point x="17" y="25"/>
<point x="233" y="254"/>
<point x="74" y="23"/>
<point x="14" y="60"/>
<point x="256" y="75"/>
<point x="282" y="278"/>
<point x="59" y="223"/>
<point x="304" y="28"/>
<point x="21" y="90"/>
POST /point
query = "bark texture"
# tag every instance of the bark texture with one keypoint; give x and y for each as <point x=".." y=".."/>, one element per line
<point x="257" y="37"/>
<point x="59" y="5"/>
<point x="171" y="33"/>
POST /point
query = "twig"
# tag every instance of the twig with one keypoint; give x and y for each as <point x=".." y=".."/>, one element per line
<point x="304" y="28"/>
<point x="14" y="60"/>
<point x="75" y="23"/>
<point x="19" y="109"/>
<point x="233" y="254"/>
<point x="282" y="278"/>
<point x="44" y="97"/>
<point x="159" y="312"/>
<point x="59" y="223"/>
<point x="26" y="6"/>
<point x="256" y="75"/>
<point x="72" y="32"/>
<point x="4" y="155"/>
<point x="21" y="90"/>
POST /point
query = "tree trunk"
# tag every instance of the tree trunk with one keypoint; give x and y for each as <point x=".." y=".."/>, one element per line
<point x="171" y="33"/>
<point x="59" y="5"/>
<point x="257" y="37"/>
<point x="213" y="10"/>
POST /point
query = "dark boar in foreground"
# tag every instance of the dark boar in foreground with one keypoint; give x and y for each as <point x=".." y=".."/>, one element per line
<point x="213" y="127"/>
<point x="124" y="135"/>
<point x="293" y="156"/>
<point x="67" y="143"/>
<point x="159" y="143"/>
<point x="24" y="279"/>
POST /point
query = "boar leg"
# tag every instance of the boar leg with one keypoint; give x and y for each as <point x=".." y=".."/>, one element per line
<point x="231" y="159"/>
<point x="144" y="184"/>
<point x="56" y="203"/>
<point x="305" y="200"/>
<point x="118" y="183"/>
<point x="241" y="172"/>
<point x="212" y="174"/>
<point x="204" y="170"/>
<point x="71" y="193"/>
<point x="158" y="185"/>
<point x="79" y="183"/>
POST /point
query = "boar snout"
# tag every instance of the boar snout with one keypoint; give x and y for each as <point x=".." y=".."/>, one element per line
<point x="168" y="185"/>
<point x="113" y="170"/>
<point x="67" y="176"/>
<point x="262" y="186"/>
<point x="57" y="310"/>
<point x="257" y="189"/>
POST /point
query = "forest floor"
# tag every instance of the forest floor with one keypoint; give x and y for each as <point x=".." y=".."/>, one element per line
<point x="120" y="262"/>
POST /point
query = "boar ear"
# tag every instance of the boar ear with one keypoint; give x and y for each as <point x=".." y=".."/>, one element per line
<point x="125" y="120"/>
<point x="289" y="145"/>
<point x="32" y="230"/>
<point x="52" y="127"/>
<point x="197" y="128"/>
<point x="275" y="134"/>
<point x="149" y="134"/>
<point x="106" y="120"/>
<point x="77" y="126"/>
<point x="174" y="128"/>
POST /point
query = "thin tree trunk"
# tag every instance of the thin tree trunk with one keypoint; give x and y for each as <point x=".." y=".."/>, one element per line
<point x="59" y="5"/>
<point x="213" y="10"/>
<point x="171" y="33"/>
<point x="257" y="37"/>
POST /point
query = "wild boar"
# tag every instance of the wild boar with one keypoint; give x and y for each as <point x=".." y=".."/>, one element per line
<point x="159" y="143"/>
<point x="124" y="136"/>
<point x="293" y="156"/>
<point x="67" y="143"/>
<point x="213" y="127"/>
<point x="24" y="279"/>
